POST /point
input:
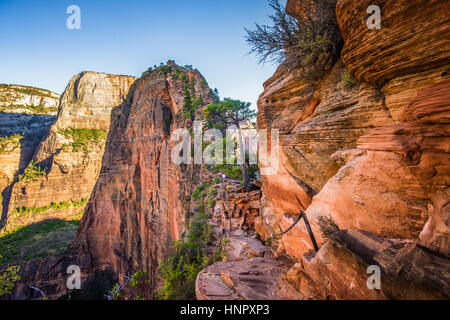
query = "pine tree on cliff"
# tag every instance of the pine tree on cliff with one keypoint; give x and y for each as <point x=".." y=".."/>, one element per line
<point x="231" y="112"/>
<point x="309" y="38"/>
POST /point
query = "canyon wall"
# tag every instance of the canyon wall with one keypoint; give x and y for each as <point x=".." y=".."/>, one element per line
<point x="370" y="158"/>
<point x="71" y="154"/>
<point x="26" y="115"/>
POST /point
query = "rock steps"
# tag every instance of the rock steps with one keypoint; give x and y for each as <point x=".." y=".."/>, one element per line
<point x="250" y="272"/>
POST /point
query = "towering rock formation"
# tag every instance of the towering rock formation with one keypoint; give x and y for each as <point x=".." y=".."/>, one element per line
<point x="137" y="209"/>
<point x="371" y="159"/>
<point x="367" y="162"/>
<point x="138" y="206"/>
<point x="71" y="154"/>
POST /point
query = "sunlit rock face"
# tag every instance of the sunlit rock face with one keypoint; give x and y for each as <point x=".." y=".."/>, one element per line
<point x="89" y="98"/>
<point x="372" y="156"/>
<point x="26" y="115"/>
<point x="414" y="37"/>
<point x="27" y="100"/>
<point x="72" y="169"/>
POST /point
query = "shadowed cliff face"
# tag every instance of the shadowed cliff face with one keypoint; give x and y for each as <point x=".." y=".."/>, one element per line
<point x="137" y="208"/>
<point x="26" y="115"/>
<point x="28" y="112"/>
<point x="372" y="156"/>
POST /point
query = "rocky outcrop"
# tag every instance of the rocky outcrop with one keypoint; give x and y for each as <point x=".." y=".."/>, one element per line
<point x="254" y="279"/>
<point x="235" y="208"/>
<point x="137" y="209"/>
<point x="27" y="100"/>
<point x="71" y="154"/>
<point x="340" y="270"/>
<point x="89" y="98"/>
<point x="370" y="156"/>
<point x="249" y="270"/>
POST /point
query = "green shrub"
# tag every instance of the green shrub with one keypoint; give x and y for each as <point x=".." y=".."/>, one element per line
<point x="198" y="191"/>
<point x="8" y="280"/>
<point x="348" y="81"/>
<point x="32" y="173"/>
<point x="138" y="288"/>
<point x="82" y="138"/>
<point x="8" y="144"/>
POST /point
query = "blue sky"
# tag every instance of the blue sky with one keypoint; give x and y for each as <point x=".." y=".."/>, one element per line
<point x="127" y="37"/>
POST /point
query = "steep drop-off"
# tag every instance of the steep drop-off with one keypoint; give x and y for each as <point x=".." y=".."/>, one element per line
<point x="57" y="176"/>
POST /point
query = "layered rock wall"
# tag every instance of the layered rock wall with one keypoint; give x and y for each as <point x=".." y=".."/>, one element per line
<point x="27" y="100"/>
<point x="26" y="115"/>
<point x="371" y="156"/>
<point x="72" y="152"/>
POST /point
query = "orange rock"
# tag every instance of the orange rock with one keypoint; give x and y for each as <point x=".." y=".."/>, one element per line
<point x="414" y="37"/>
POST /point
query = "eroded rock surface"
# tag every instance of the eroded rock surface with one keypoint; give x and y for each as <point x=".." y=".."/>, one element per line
<point x="339" y="270"/>
<point x="370" y="156"/>
<point x="254" y="279"/>
<point x="26" y="115"/>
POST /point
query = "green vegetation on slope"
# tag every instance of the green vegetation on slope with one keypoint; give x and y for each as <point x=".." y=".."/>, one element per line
<point x="8" y="280"/>
<point x="32" y="91"/>
<point x="32" y="173"/>
<point x="180" y="271"/>
<point x="39" y="232"/>
<point x="8" y="144"/>
<point x="39" y="109"/>
<point x="82" y="138"/>
<point x="20" y="212"/>
<point x="37" y="240"/>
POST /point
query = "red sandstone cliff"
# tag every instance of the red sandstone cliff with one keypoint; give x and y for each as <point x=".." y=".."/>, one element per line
<point x="137" y="208"/>
<point x="372" y="158"/>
